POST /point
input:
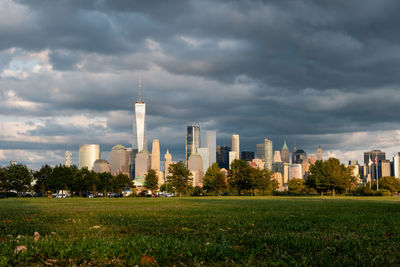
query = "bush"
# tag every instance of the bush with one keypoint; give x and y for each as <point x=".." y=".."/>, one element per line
<point x="383" y="192"/>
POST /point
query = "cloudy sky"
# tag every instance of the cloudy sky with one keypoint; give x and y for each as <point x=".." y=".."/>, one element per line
<point x="312" y="72"/>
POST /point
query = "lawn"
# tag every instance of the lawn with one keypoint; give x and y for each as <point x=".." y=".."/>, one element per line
<point x="201" y="231"/>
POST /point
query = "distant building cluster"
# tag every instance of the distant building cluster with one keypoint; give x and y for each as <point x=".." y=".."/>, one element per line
<point x="201" y="152"/>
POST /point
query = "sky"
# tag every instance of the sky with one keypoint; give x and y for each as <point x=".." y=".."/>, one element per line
<point x="309" y="71"/>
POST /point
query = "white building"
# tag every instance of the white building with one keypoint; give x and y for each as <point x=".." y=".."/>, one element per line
<point x="295" y="171"/>
<point x="88" y="154"/>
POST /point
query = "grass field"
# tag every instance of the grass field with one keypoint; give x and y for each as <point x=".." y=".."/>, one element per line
<point x="201" y="231"/>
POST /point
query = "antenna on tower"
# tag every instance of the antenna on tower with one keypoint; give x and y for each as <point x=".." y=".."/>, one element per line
<point x="140" y="90"/>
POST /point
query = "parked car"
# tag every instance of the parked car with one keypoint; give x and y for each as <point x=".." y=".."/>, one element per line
<point x="26" y="195"/>
<point x="61" y="196"/>
<point x="114" y="195"/>
<point x="37" y="195"/>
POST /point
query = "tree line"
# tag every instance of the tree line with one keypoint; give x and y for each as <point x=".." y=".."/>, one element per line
<point x="324" y="176"/>
<point x="19" y="178"/>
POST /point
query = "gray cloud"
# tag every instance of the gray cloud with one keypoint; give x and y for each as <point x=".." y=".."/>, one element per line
<point x="313" y="72"/>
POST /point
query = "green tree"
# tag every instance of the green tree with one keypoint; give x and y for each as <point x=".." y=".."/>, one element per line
<point x="122" y="181"/>
<point x="4" y="183"/>
<point x="43" y="177"/>
<point x="91" y="182"/>
<point x="151" y="180"/>
<point x="19" y="177"/>
<point x="240" y="176"/>
<point x="296" y="186"/>
<point x="263" y="181"/>
<point x="214" y="180"/>
<point x="390" y="183"/>
<point x="180" y="177"/>
<point x="330" y="175"/>
<point x="105" y="183"/>
<point x="62" y="178"/>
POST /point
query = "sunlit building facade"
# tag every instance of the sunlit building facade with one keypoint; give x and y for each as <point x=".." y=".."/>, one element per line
<point x="88" y="154"/>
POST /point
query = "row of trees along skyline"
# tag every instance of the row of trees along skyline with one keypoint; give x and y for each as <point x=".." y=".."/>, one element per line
<point x="325" y="176"/>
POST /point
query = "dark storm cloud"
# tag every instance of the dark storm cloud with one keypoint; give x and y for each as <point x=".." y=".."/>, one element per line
<point x="301" y="70"/>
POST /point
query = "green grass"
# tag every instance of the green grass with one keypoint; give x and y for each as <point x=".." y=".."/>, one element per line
<point x="202" y="231"/>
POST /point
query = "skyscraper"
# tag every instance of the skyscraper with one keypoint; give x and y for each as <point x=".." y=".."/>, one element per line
<point x="68" y="159"/>
<point x="119" y="160"/>
<point x="319" y="153"/>
<point x="236" y="145"/>
<point x="232" y="157"/>
<point x="192" y="140"/>
<point x="88" y="154"/>
<point x="155" y="156"/>
<point x="247" y="155"/>
<point x="139" y="125"/>
<point x="223" y="156"/>
<point x="212" y="146"/>
<point x="205" y="156"/>
<point x="299" y="156"/>
<point x="285" y="153"/>
<point x="396" y="165"/>
<point x="268" y="154"/>
<point x="142" y="164"/>
<point x="167" y="162"/>
<point x="260" y="152"/>
<point x="294" y="154"/>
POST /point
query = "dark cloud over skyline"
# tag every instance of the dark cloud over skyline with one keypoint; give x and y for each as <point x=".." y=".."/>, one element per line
<point x="312" y="72"/>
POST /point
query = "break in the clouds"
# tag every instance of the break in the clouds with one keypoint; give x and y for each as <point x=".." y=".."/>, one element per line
<point x="312" y="72"/>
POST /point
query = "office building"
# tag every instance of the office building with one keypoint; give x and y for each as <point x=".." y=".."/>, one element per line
<point x="319" y="153"/>
<point x="155" y="156"/>
<point x="312" y="159"/>
<point x="139" y="125"/>
<point x="232" y="157"/>
<point x="119" y="160"/>
<point x="384" y="168"/>
<point x="372" y="154"/>
<point x="247" y="155"/>
<point x="285" y="153"/>
<point x="277" y="165"/>
<point x="294" y="154"/>
<point x="204" y="154"/>
<point x="223" y="156"/>
<point x="295" y="171"/>
<point x="299" y="156"/>
<point x="396" y="165"/>
<point x="101" y="165"/>
<point x="261" y="151"/>
<point x="142" y="164"/>
<point x="236" y="145"/>
<point x="88" y="154"/>
<point x="192" y="141"/>
<point x="268" y="154"/>
<point x="195" y="166"/>
<point x="167" y="162"/>
<point x="285" y="174"/>
<point x="68" y="159"/>
<point x="305" y="168"/>
<point x="209" y="140"/>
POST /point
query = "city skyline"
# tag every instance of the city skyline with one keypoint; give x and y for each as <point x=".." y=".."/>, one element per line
<point x="68" y="75"/>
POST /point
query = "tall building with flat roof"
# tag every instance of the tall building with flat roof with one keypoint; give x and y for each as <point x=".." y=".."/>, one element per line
<point x="295" y="171"/>
<point x="396" y="165"/>
<point x="260" y="151"/>
<point x="88" y="154"/>
<point x="236" y="145"/>
<point x="192" y="141"/>
<point x="372" y="154"/>
<point x="139" y="125"/>
<point x="142" y="164"/>
<point x="155" y="156"/>
<point x="232" y="157"/>
<point x="247" y="155"/>
<point x="268" y="154"/>
<point x="384" y="168"/>
<point x="223" y="156"/>
<point x="119" y="160"/>
<point x="68" y="159"/>
<point x="205" y="156"/>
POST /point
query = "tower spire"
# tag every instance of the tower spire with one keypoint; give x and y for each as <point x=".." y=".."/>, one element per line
<point x="140" y="90"/>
